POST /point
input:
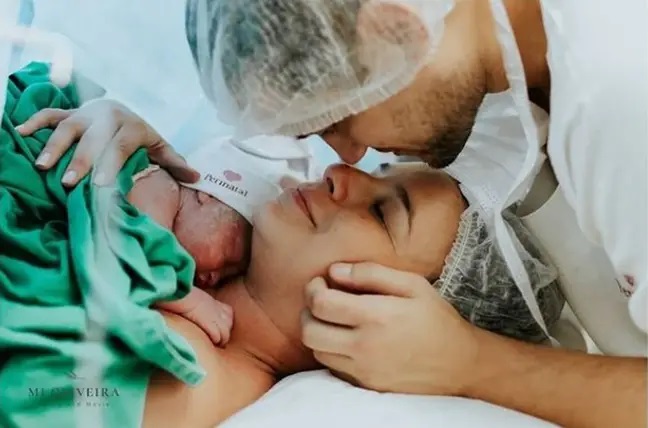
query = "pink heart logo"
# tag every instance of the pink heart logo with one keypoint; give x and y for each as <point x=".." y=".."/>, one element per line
<point x="231" y="175"/>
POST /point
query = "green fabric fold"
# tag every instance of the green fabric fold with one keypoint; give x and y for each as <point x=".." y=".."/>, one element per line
<point x="79" y="271"/>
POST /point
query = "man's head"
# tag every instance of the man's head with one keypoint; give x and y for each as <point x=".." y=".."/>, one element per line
<point x="399" y="75"/>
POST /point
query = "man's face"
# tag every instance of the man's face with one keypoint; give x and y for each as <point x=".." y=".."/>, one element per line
<point x="431" y="119"/>
<point x="433" y="116"/>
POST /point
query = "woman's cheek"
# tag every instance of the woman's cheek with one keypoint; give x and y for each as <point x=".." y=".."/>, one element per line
<point x="351" y="240"/>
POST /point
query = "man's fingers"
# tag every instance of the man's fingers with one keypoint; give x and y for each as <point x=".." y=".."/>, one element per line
<point x="323" y="337"/>
<point x="65" y="134"/>
<point x="48" y="117"/>
<point x="372" y="278"/>
<point x="335" y="306"/>
<point x="344" y="375"/>
<point x="176" y="165"/>
<point x="339" y="365"/>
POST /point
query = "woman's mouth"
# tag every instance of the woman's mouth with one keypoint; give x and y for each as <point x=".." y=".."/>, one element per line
<point x="302" y="203"/>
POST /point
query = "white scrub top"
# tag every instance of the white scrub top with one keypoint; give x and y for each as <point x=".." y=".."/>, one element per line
<point x="598" y="139"/>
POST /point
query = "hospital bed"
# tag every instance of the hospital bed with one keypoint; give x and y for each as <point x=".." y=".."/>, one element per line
<point x="317" y="399"/>
<point x="314" y="398"/>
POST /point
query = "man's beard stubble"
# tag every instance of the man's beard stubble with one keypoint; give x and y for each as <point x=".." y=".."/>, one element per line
<point x="461" y="104"/>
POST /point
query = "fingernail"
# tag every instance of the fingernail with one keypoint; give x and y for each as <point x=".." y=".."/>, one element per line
<point x="341" y="270"/>
<point x="42" y="159"/>
<point x="69" y="177"/>
<point x="20" y="128"/>
<point x="100" y="179"/>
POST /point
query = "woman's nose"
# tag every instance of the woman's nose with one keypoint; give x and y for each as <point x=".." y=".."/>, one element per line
<point x="336" y="179"/>
<point x="347" y="184"/>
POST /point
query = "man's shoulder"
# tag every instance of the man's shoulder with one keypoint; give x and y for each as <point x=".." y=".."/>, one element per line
<point x="595" y="41"/>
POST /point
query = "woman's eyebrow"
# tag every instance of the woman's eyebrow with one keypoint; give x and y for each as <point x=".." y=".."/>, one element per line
<point x="404" y="197"/>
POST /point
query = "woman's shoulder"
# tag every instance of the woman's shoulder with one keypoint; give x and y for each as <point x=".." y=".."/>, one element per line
<point x="233" y="382"/>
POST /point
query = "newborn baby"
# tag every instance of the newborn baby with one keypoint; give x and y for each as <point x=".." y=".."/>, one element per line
<point x="212" y="219"/>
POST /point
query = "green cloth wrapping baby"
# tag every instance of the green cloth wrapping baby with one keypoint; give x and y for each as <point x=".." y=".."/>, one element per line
<point x="79" y="272"/>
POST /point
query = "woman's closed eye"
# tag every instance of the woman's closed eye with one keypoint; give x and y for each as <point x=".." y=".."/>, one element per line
<point x="393" y="212"/>
<point x="376" y="209"/>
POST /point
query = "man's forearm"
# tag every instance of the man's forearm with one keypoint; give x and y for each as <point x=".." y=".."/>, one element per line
<point x="567" y="388"/>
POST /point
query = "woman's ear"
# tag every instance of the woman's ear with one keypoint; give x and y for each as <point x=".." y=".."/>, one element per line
<point x="384" y="26"/>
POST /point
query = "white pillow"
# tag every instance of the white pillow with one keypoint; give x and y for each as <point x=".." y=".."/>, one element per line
<point x="317" y="399"/>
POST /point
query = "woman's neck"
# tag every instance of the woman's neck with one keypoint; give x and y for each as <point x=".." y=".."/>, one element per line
<point x="254" y="336"/>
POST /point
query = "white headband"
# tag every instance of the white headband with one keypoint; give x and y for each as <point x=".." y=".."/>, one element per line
<point x="245" y="175"/>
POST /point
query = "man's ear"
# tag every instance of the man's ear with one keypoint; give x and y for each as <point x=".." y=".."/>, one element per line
<point x="384" y="26"/>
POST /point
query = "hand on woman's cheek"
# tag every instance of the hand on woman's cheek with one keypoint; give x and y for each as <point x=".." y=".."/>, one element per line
<point x="288" y="251"/>
<point x="395" y="333"/>
<point x="388" y="329"/>
<point x="350" y="217"/>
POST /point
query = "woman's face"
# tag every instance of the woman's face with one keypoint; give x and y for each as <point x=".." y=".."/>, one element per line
<point x="404" y="219"/>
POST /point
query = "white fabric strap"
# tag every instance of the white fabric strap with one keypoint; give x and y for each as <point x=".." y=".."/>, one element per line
<point x="247" y="174"/>
<point x="515" y="74"/>
<point x="227" y="174"/>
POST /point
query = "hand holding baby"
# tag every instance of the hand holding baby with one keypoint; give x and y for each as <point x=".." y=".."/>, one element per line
<point x="205" y="202"/>
<point x="215" y="235"/>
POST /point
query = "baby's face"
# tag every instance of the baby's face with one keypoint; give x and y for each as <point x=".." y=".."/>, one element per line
<point x="216" y="236"/>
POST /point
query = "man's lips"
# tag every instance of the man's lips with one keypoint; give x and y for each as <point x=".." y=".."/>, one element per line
<point x="302" y="203"/>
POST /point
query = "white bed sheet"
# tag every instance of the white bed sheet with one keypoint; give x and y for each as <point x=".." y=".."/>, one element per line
<point x="318" y="400"/>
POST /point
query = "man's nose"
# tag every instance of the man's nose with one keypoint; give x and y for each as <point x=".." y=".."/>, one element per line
<point x="349" y="151"/>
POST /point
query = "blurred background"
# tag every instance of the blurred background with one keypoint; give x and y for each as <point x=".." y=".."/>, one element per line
<point x="137" y="53"/>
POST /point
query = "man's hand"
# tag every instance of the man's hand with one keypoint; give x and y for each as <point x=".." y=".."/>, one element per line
<point x="107" y="134"/>
<point x="394" y="333"/>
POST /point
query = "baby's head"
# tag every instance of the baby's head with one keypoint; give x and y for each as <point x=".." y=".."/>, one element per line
<point x="215" y="235"/>
<point x="212" y="217"/>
